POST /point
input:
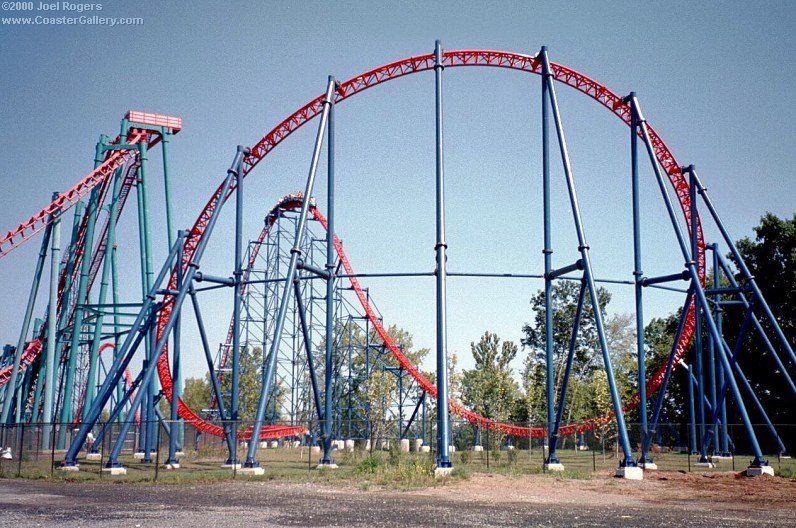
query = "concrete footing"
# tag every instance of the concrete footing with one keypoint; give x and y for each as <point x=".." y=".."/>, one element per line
<point x="72" y="469"/>
<point x="115" y="471"/>
<point x="93" y="456"/>
<point x="452" y="448"/>
<point x="6" y="454"/>
<point x="719" y="458"/>
<point x="648" y="466"/>
<point x="705" y="464"/>
<point x="232" y="466"/>
<point x="404" y="445"/>
<point x="327" y="466"/>
<point x="425" y="449"/>
<point x="630" y="473"/>
<point x="315" y="449"/>
<point x="555" y="466"/>
<point x="441" y="472"/>
<point x="349" y="445"/>
<point x="252" y="471"/>
<point x="752" y="471"/>
<point x="418" y="444"/>
<point x="478" y="448"/>
<point x="171" y="465"/>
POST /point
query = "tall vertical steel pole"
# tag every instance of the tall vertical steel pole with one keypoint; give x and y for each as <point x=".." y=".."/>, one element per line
<point x="698" y="348"/>
<point x="724" y="441"/>
<point x="443" y="423"/>
<point x="172" y="462"/>
<point x="691" y="411"/>
<point x="234" y="393"/>
<point x="548" y="265"/>
<point x="330" y="252"/>
<point x="644" y="459"/>
<point x="52" y="330"/>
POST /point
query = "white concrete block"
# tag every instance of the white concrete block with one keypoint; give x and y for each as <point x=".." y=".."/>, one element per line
<point x="451" y="448"/>
<point x="554" y="466"/>
<point x="759" y="471"/>
<point x="425" y="449"/>
<point x="440" y="472"/>
<point x="73" y="469"/>
<point x="175" y="465"/>
<point x="93" y="456"/>
<point x="232" y="466"/>
<point x="418" y="444"/>
<point x="630" y="473"/>
<point x="138" y="455"/>
<point x="349" y="445"/>
<point x="404" y="445"/>
<point x="327" y="466"/>
<point x="6" y="454"/>
<point x="115" y="471"/>
<point x="274" y="444"/>
<point x="315" y="449"/>
<point x="649" y="466"/>
<point x="253" y="471"/>
<point x="478" y="448"/>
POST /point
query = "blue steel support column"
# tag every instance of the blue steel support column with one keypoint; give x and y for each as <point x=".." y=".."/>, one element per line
<point x="698" y="348"/>
<point x="583" y="248"/>
<point x="644" y="459"/>
<point x="443" y="423"/>
<point x="172" y="462"/>
<point x="233" y="454"/>
<point x="52" y="331"/>
<point x="701" y="299"/>
<point x="330" y="252"/>
<point x="723" y="440"/>
<point x="548" y="266"/>
<point x="691" y="414"/>
<point x="222" y="411"/>
<point x="295" y="253"/>
<point x="717" y="374"/>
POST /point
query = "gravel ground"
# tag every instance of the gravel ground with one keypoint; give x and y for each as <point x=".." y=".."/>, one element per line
<point x="670" y="499"/>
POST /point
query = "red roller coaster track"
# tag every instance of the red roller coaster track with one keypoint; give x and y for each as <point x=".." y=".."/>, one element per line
<point x="460" y="58"/>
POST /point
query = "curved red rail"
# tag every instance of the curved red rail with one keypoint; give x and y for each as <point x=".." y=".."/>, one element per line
<point x="394" y="70"/>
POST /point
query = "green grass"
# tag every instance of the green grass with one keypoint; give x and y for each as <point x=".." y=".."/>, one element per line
<point x="389" y="469"/>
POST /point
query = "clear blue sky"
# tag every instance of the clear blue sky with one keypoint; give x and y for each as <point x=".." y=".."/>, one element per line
<point x="715" y="79"/>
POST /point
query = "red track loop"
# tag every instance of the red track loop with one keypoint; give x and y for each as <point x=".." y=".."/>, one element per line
<point x="459" y="58"/>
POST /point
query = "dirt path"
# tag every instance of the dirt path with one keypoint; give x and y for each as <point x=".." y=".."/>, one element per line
<point x="670" y="499"/>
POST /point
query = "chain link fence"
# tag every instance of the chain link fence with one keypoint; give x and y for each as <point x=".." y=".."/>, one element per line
<point x="34" y="451"/>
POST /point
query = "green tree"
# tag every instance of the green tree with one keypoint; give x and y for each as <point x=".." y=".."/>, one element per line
<point x="197" y="393"/>
<point x="489" y="389"/>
